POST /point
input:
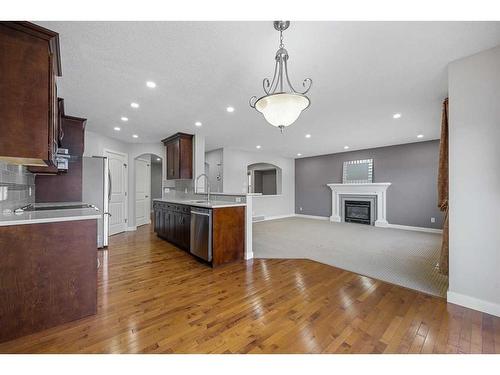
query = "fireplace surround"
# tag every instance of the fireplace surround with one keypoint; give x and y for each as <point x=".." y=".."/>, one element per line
<point x="374" y="191"/>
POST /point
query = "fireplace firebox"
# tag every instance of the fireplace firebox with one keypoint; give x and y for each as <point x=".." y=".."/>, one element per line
<point x="357" y="212"/>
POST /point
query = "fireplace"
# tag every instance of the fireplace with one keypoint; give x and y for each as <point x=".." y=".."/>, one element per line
<point x="357" y="212"/>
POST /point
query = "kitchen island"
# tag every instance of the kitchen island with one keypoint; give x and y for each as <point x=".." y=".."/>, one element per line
<point x="213" y="231"/>
<point x="48" y="269"/>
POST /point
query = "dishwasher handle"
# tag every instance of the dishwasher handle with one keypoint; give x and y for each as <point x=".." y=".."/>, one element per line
<point x="199" y="213"/>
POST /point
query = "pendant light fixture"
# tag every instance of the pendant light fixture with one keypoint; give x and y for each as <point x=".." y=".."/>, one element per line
<point x="282" y="104"/>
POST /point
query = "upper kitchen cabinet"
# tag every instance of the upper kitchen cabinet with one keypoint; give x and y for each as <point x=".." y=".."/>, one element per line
<point x="179" y="150"/>
<point x="29" y="64"/>
<point x="64" y="184"/>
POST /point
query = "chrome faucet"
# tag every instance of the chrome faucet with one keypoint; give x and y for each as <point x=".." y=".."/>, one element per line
<point x="208" y="185"/>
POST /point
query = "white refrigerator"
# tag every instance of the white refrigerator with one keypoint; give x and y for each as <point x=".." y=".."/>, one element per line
<point x="96" y="190"/>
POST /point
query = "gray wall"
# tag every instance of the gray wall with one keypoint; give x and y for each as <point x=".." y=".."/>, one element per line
<point x="269" y="182"/>
<point x="474" y="91"/>
<point x="411" y="168"/>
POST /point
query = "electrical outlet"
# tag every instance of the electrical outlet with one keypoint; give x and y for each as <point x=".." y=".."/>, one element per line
<point x="29" y="191"/>
<point x="238" y="199"/>
<point x="433" y="219"/>
<point x="300" y="208"/>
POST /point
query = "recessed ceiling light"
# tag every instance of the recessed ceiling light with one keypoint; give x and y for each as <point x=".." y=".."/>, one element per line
<point x="396" y="115"/>
<point x="117" y="128"/>
<point x="134" y="105"/>
<point x="420" y="136"/>
<point x="151" y="84"/>
<point x="124" y="119"/>
<point x="230" y="109"/>
<point x="258" y="146"/>
<point x="198" y="124"/>
<point x="346" y="147"/>
<point x="135" y="136"/>
<point x="299" y="154"/>
<point x="308" y="135"/>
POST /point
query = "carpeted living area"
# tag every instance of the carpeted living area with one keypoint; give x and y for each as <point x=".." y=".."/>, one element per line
<point x="402" y="257"/>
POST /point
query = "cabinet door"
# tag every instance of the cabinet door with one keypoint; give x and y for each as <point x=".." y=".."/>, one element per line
<point x="171" y="226"/>
<point x="164" y="223"/>
<point x="173" y="160"/>
<point x="26" y="93"/>
<point x="157" y="219"/>
<point x="54" y="124"/>
<point x="178" y="229"/>
<point x="187" y="230"/>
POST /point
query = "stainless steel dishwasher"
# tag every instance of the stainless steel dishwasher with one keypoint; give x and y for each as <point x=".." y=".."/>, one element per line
<point x="201" y="233"/>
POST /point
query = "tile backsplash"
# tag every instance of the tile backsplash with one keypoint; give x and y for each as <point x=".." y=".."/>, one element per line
<point x="19" y="185"/>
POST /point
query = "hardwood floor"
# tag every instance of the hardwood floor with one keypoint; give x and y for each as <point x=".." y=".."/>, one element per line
<point x="155" y="298"/>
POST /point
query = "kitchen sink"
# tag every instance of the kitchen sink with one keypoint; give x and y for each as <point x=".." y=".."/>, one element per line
<point x="201" y="201"/>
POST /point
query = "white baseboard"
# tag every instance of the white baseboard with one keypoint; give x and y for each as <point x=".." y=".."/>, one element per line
<point x="313" y="217"/>
<point x="131" y="229"/>
<point x="474" y="303"/>
<point x="266" y="218"/>
<point x="418" y="229"/>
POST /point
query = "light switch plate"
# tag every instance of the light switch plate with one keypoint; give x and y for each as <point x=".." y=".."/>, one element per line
<point x="3" y="193"/>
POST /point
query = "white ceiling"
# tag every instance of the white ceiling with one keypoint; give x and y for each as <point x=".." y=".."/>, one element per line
<point x="362" y="72"/>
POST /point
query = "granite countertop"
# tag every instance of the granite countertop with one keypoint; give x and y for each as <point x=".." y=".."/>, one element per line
<point x="201" y="202"/>
<point x="50" y="216"/>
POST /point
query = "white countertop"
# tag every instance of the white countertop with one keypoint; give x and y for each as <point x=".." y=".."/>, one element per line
<point x="196" y="203"/>
<point x="49" y="216"/>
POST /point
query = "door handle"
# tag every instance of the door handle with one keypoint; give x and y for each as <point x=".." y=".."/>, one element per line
<point x="146" y="196"/>
<point x="109" y="185"/>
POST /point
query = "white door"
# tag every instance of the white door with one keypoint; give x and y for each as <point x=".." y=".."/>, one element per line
<point x="118" y="192"/>
<point x="142" y="192"/>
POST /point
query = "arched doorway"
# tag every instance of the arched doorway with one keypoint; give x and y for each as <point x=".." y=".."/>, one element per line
<point x="264" y="178"/>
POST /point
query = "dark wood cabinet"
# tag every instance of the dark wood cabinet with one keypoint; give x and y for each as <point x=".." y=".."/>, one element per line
<point x="228" y="238"/>
<point x="173" y="223"/>
<point x="179" y="152"/>
<point x="49" y="275"/>
<point x="63" y="186"/>
<point x="29" y="64"/>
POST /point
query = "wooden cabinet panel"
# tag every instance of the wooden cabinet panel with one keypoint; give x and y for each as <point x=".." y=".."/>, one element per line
<point x="48" y="275"/>
<point x="186" y="157"/>
<point x="228" y="238"/>
<point x="179" y="152"/>
<point x="29" y="63"/>
<point x="64" y="186"/>
<point x="172" y="222"/>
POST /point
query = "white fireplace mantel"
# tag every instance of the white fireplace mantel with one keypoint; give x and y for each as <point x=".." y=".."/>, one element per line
<point x="378" y="189"/>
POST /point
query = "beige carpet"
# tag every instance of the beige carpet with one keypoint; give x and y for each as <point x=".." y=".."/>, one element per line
<point x="402" y="257"/>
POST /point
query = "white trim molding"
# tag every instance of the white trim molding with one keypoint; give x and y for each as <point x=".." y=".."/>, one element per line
<point x="474" y="303"/>
<point x="313" y="217"/>
<point x="267" y="218"/>
<point x="418" y="229"/>
<point x="378" y="189"/>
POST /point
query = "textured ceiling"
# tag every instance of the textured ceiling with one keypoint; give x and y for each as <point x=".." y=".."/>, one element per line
<point x="362" y="73"/>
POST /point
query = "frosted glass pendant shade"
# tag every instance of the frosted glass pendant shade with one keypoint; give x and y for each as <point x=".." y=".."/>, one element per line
<point x="282" y="109"/>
